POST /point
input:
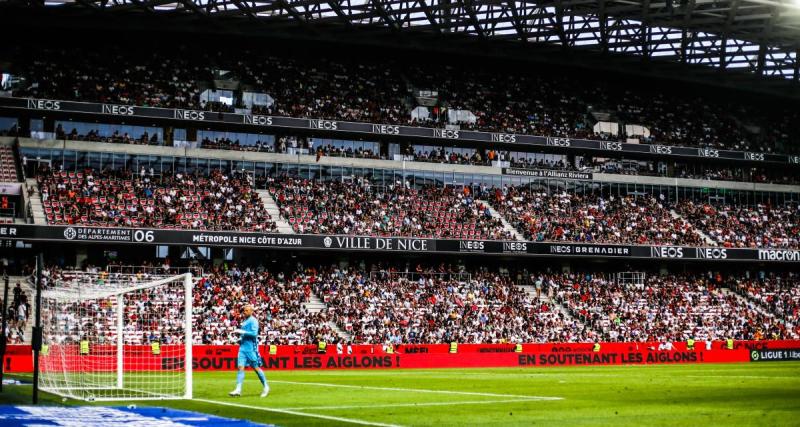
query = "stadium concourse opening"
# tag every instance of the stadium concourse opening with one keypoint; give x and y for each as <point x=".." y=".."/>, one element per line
<point x="391" y="213"/>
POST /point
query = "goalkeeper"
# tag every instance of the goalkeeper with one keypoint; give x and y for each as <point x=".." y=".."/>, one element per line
<point x="248" y="352"/>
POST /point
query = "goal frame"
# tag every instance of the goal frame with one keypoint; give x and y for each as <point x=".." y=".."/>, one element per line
<point x="188" y="283"/>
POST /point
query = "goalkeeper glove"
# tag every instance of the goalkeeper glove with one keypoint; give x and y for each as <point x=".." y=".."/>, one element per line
<point x="239" y="331"/>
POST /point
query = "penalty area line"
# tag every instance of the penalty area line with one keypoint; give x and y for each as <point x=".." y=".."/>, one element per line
<point x="299" y="414"/>
<point x="412" y="405"/>
<point x="421" y="390"/>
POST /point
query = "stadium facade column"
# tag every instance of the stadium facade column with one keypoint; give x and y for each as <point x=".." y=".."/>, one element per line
<point x="36" y="341"/>
<point x="3" y="337"/>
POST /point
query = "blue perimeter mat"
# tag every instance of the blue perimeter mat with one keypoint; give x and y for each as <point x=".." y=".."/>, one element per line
<point x="117" y="416"/>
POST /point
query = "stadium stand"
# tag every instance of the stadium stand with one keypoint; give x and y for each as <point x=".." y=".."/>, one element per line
<point x="438" y="305"/>
<point x="381" y="304"/>
<point x="8" y="165"/>
<point x="380" y="92"/>
<point x="281" y="303"/>
<point x="664" y="308"/>
<point x="592" y="218"/>
<point x="740" y="226"/>
<point x="290" y="144"/>
<point x="126" y="198"/>
<point x="395" y="210"/>
<point x="778" y="293"/>
<point x="356" y="206"/>
<point x="116" y="137"/>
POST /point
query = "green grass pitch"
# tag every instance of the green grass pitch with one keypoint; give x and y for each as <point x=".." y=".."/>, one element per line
<point x="765" y="394"/>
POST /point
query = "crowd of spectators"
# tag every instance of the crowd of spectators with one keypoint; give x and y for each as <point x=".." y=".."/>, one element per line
<point x="664" y="309"/>
<point x="116" y="137"/>
<point x="290" y="144"/>
<point x="383" y="91"/>
<point x="17" y="315"/>
<point x="356" y="206"/>
<point x="360" y="208"/>
<point x="280" y="302"/>
<point x="441" y="155"/>
<point x="745" y="226"/>
<point x="439" y="304"/>
<point x="219" y="201"/>
<point x="339" y="151"/>
<point x="436" y="303"/>
<point x="572" y="217"/>
<point x="778" y="293"/>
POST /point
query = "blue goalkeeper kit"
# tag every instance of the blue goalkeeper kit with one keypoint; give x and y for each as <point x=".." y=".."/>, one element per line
<point x="248" y="352"/>
<point x="248" y="344"/>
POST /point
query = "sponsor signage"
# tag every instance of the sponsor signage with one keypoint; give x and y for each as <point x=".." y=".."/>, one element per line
<point x="504" y="137"/>
<point x="254" y="119"/>
<point x="660" y="149"/>
<point x="195" y="115"/>
<point x="378" y="243"/>
<point x="611" y="146"/>
<point x="118" y="110"/>
<point x="335" y="126"/>
<point x="386" y="129"/>
<point x="585" y="249"/>
<point x="81" y="234"/>
<point x="708" y="152"/>
<point x="378" y="356"/>
<point x="515" y="247"/>
<point x="774" y="355"/>
<point x="779" y="255"/>
<point x="547" y="173"/>
<point x="471" y="246"/>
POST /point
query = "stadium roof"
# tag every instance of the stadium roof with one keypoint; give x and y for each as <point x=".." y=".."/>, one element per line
<point x="755" y="37"/>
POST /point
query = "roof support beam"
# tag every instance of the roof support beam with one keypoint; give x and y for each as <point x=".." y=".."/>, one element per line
<point x="189" y="4"/>
<point x="470" y="9"/>
<point x="723" y="49"/>
<point x="559" y="23"/>
<point x="244" y="8"/>
<point x="429" y="14"/>
<point x="337" y="8"/>
<point x="391" y="22"/>
<point x="686" y="34"/>
<point x="603" y="18"/>
<point x="644" y="30"/>
<point x="512" y="5"/>
<point x="292" y="11"/>
<point x="762" y="59"/>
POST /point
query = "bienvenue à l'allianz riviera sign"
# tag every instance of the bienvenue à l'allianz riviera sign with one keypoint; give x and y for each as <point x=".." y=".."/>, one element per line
<point x="119" y="235"/>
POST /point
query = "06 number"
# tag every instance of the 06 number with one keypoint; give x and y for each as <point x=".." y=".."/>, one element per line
<point x="143" y="236"/>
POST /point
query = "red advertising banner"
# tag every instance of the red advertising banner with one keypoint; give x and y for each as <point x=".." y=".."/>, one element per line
<point x="206" y="357"/>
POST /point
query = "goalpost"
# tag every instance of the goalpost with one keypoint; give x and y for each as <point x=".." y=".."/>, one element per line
<point x="117" y="337"/>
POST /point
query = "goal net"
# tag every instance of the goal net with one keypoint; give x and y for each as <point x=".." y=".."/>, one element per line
<point x="117" y="336"/>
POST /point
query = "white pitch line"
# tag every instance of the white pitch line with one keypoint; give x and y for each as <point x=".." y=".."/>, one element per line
<point x="300" y="414"/>
<point x="420" y="390"/>
<point x="413" y="405"/>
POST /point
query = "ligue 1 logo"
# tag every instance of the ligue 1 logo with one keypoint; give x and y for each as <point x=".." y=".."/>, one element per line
<point x="754" y="355"/>
<point x="327" y="242"/>
<point x="69" y="233"/>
